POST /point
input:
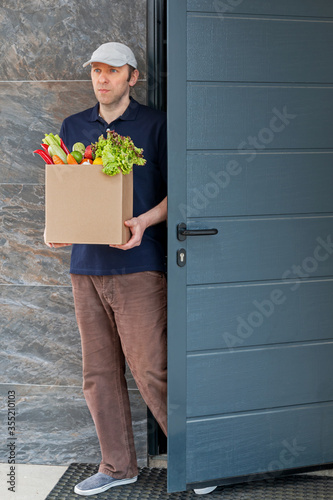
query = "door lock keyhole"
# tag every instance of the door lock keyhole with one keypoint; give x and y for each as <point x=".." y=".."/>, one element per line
<point x="181" y="257"/>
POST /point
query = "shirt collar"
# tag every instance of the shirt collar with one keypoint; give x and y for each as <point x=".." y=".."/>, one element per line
<point x="129" y="114"/>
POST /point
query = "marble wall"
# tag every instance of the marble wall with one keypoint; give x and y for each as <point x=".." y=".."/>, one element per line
<point x="43" y="46"/>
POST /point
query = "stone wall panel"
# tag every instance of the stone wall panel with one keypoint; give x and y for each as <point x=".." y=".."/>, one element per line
<point x="43" y="47"/>
<point x="54" y="426"/>
<point x="50" y="40"/>
<point x="30" y="110"/>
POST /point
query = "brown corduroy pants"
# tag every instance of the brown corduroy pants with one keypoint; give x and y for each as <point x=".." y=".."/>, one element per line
<point x="122" y="316"/>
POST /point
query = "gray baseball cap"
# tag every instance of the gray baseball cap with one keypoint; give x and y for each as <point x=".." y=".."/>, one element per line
<point x="114" y="54"/>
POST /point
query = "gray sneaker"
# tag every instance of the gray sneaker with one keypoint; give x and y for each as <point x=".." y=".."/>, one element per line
<point x="100" y="482"/>
<point x="204" y="491"/>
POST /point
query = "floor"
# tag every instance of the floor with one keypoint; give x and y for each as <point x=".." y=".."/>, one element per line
<point x="35" y="482"/>
<point x="32" y="482"/>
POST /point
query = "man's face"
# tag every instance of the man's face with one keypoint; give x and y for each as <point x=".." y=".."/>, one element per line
<point x="110" y="83"/>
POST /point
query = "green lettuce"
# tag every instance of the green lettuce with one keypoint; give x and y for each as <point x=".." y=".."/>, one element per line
<point x="118" y="153"/>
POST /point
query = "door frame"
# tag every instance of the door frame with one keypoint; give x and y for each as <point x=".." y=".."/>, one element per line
<point x="156" y="98"/>
<point x="177" y="276"/>
<point x="156" y="54"/>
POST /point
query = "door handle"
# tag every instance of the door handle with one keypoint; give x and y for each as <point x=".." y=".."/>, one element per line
<point x="182" y="232"/>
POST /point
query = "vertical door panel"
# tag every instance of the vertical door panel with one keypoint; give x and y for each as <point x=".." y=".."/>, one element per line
<point x="261" y="248"/>
<point x="246" y="184"/>
<point x="259" y="443"/>
<point x="299" y="8"/>
<point x="251" y="117"/>
<point x="267" y="378"/>
<point x="276" y="51"/>
<point x="260" y="313"/>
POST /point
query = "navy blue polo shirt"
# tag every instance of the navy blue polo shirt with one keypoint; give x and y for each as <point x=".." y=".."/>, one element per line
<point x="147" y="129"/>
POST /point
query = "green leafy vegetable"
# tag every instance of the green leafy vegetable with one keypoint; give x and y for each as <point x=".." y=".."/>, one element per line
<point x="118" y="153"/>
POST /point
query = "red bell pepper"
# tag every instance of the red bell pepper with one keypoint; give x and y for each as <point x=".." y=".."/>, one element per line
<point x="62" y="144"/>
<point x="44" y="155"/>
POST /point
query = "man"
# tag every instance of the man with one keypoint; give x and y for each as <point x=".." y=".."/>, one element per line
<point x="120" y="290"/>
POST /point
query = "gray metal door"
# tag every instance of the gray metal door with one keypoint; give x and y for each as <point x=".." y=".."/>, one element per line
<point x="250" y="132"/>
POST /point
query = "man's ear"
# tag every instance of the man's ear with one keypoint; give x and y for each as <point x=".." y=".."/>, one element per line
<point x="134" y="78"/>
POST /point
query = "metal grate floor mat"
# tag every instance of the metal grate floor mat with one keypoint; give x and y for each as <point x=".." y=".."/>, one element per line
<point x="151" y="485"/>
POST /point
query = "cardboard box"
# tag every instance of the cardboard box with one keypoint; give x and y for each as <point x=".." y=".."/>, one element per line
<point x="83" y="205"/>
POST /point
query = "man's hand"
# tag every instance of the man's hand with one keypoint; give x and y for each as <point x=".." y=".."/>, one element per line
<point x="55" y="245"/>
<point x="138" y="225"/>
<point x="137" y="228"/>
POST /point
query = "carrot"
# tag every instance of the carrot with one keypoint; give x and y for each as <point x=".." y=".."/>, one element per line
<point x="71" y="160"/>
<point x="57" y="160"/>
